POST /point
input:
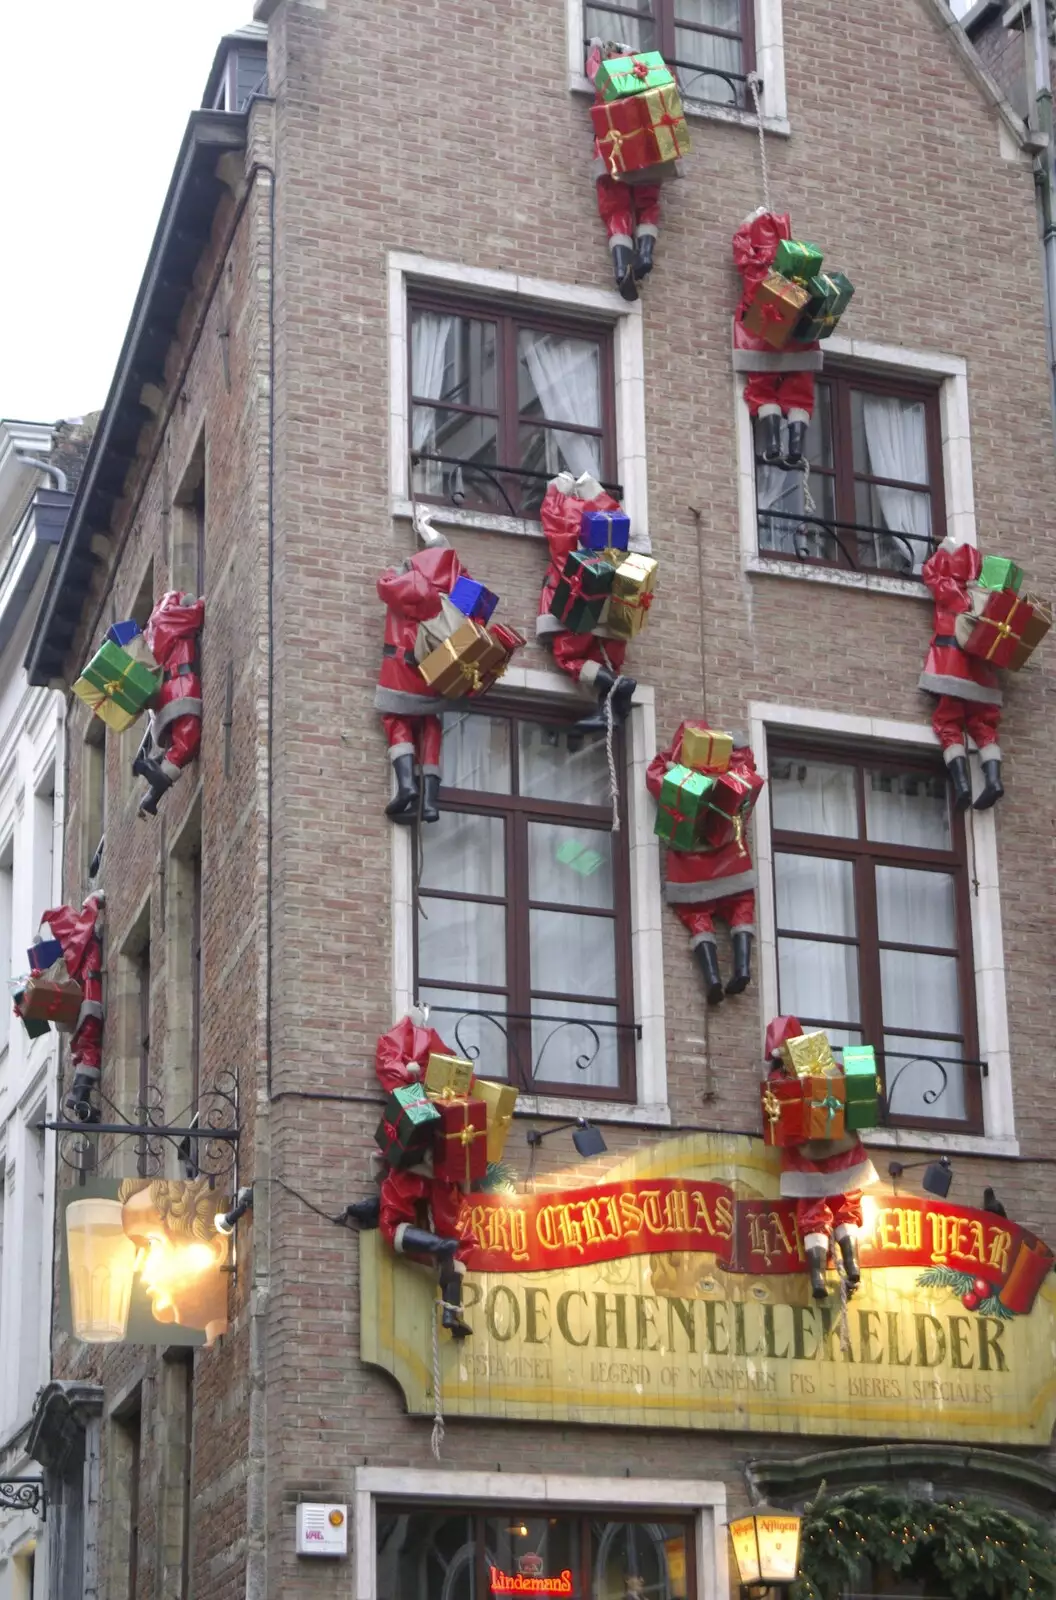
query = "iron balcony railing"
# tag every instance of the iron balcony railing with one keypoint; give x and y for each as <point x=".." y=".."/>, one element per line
<point x="456" y="491"/>
<point x="793" y="535"/>
<point x="524" y="1072"/>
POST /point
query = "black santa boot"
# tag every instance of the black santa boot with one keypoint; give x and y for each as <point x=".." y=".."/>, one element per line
<point x="431" y="797"/>
<point x="367" y="1213"/>
<point x="644" y="248"/>
<point x="707" y="958"/>
<point x="403" y="807"/>
<point x="158" y="779"/>
<point x="622" y="691"/>
<point x="451" y="1316"/>
<point x="993" y="788"/>
<point x="770" y="438"/>
<point x="960" y="782"/>
<point x="623" y="270"/>
<point x="817" y="1258"/>
<point x="849" y="1252"/>
<point x="742" y="962"/>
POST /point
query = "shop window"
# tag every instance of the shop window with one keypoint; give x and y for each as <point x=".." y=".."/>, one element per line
<point x="523" y="928"/>
<point x="873" y="923"/>
<point x="873" y="498"/>
<point x="709" y="44"/>
<point x="502" y="401"/>
<point x="430" y="1554"/>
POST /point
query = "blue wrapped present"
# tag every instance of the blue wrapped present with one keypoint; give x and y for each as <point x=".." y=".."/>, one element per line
<point x="123" y="632"/>
<point x="473" y="600"/>
<point x="44" y="954"/>
<point x="604" y="530"/>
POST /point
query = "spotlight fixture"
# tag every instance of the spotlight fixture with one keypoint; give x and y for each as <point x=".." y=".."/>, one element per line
<point x="938" y="1175"/>
<point x="586" y="1138"/>
<point x="225" y="1222"/>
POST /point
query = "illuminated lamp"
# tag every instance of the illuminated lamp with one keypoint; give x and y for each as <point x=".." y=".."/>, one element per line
<point x="225" y="1222"/>
<point x="766" y="1550"/>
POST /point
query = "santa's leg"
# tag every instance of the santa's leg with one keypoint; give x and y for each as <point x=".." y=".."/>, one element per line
<point x="796" y="394"/>
<point x="699" y="920"/>
<point x="428" y="734"/>
<point x="616" y="209"/>
<point x="761" y="396"/>
<point x="948" y="722"/>
<point x="814" y="1221"/>
<point x="738" y="911"/>
<point x="847" y="1217"/>
<point x="596" y="664"/>
<point x="646" y="226"/>
<point x="175" y="738"/>
<point x="399" y="736"/>
<point x="982" y="723"/>
<point x="86" y="1052"/>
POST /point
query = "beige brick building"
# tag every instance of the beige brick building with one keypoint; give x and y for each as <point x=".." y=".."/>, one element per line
<point x="385" y="242"/>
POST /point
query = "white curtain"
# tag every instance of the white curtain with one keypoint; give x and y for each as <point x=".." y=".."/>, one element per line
<point x="907" y="808"/>
<point x="815" y="895"/>
<point x="430" y="333"/>
<point x="897" y="443"/>
<point x="782" y="491"/>
<point x="565" y="376"/>
<point x="813" y="797"/>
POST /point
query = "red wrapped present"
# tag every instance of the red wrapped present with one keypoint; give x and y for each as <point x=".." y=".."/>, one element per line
<point x="460" y="1153"/>
<point x="999" y="630"/>
<point x="730" y="804"/>
<point x="503" y="642"/>
<point x="624" y="136"/>
<point x="782" y="1106"/>
<point x="52" y="997"/>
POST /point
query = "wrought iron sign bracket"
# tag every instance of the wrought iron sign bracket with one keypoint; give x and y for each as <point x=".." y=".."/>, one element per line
<point x="23" y="1494"/>
<point x="207" y="1143"/>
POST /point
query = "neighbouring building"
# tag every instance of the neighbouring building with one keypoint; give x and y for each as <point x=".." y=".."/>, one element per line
<point x="379" y="295"/>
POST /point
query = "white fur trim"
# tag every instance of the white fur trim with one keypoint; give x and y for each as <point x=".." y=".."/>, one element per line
<point x="170" y="769"/>
<point x="816" y="1241"/>
<point x="616" y="239"/>
<point x="588" y="673"/>
<point x="990" y="752"/>
<point x="647" y="230"/>
<point x="954" y="752"/>
<point x="797" y="414"/>
<point x="397" y="1238"/>
<point x="959" y="688"/>
<point x="702" y="938"/>
<point x="710" y="890"/>
<point x="771" y="409"/>
<point x="398" y="750"/>
<point x="777" y="360"/>
<point x="845" y="1230"/>
<point x="819" y="1185"/>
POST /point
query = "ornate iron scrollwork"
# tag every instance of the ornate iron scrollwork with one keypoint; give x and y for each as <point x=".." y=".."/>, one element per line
<point x="847" y="538"/>
<point x="492" y="475"/>
<point x="524" y="1075"/>
<point x="22" y="1494"/>
<point x="204" y="1136"/>
<point x="940" y="1083"/>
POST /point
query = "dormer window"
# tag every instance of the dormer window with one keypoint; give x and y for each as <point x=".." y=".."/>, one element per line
<point x="240" y="70"/>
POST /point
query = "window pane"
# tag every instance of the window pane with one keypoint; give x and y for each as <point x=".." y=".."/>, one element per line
<point x="559" y="378"/>
<point x="475" y="754"/>
<point x="583" y="1051"/>
<point x="890" y="437"/>
<point x="539" y="1547"/>
<point x="817" y="979"/>
<point x="554" y="450"/>
<point x="710" y="13"/>
<point x="905" y="514"/>
<point x="916" y="907"/>
<point x="570" y="866"/>
<point x="453" y="358"/>
<point x="920" y="991"/>
<point x="461" y="941"/>
<point x="908" y="808"/>
<point x="638" y="32"/>
<point x="464" y="853"/>
<point x="455" y="433"/>
<point x="558" y="764"/>
<point x="480" y="1039"/>
<point x="815" y="894"/>
<point x="709" y="66"/>
<point x="923" y="1079"/>
<point x="811" y="796"/>
<point x="639" y="1558"/>
<point x="785" y="525"/>
<point x="573" y="955"/>
<point x="425" y="1555"/>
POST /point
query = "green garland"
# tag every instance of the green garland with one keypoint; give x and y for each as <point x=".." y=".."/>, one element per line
<point x="974" y="1551"/>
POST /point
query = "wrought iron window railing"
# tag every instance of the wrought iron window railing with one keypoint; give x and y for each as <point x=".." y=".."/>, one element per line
<point x="695" y="81"/>
<point x="457" y="469"/>
<point x="942" y="1075"/>
<point x="797" y="536"/>
<point x="516" y="1029"/>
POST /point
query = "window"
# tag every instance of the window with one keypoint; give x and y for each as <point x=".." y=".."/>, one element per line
<point x="93" y="791"/>
<point x="501" y="402"/>
<point x="875" y="480"/>
<point x="873" y="922"/>
<point x="430" y="1553"/>
<point x="32" y="1339"/>
<point x="709" y="44"/>
<point x="187" y="554"/>
<point x="44" y="826"/>
<point x="180" y="1058"/>
<point x="143" y="1025"/>
<point x="10" y="959"/>
<point x="523" y="945"/>
<point x="124" y="1467"/>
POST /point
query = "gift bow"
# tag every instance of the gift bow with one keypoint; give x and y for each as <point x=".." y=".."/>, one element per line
<point x="771" y="1106"/>
<point x="1004" y="629"/>
<point x="466" y="1134"/>
<point x="617" y="138"/>
<point x="639" y="69"/>
<point x="830" y="1105"/>
<point x="391" y="1131"/>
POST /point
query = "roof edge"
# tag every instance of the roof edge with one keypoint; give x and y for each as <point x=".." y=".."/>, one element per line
<point x="1027" y="138"/>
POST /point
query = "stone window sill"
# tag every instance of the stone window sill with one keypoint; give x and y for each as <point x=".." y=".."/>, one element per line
<point x="872" y="582"/>
<point x="478" y="521"/>
<point x="704" y="111"/>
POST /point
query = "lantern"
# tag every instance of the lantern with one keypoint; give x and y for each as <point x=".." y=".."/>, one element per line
<point x="766" y="1549"/>
<point x="102" y="1263"/>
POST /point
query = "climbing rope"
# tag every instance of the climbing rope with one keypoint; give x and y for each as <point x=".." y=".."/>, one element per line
<point x="755" y="83"/>
<point x="438" y="1394"/>
<point x="610" y="756"/>
<point x="845" y="1295"/>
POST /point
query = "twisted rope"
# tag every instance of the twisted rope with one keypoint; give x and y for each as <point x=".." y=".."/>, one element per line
<point x="610" y="757"/>
<point x="845" y="1330"/>
<point x="755" y="83"/>
<point x="438" y="1396"/>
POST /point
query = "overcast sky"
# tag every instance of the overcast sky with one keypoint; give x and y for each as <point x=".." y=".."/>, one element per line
<point x="95" y="97"/>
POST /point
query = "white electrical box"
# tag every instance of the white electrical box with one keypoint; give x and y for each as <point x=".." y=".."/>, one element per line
<point x="322" y="1530"/>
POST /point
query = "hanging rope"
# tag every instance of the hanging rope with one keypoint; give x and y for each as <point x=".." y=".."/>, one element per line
<point x="809" y="503"/>
<point x="438" y="1395"/>
<point x="755" y="83"/>
<point x="610" y="756"/>
<point x="845" y="1330"/>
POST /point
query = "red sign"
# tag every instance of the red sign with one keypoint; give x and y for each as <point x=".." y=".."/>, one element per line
<point x="522" y="1583"/>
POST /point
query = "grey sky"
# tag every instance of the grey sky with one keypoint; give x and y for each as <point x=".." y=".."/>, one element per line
<point x="96" y="94"/>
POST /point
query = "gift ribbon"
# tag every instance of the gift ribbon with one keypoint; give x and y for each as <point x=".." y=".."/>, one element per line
<point x="617" y="138"/>
<point x="575" y="586"/>
<point x="668" y="124"/>
<point x="771" y="1106"/>
<point x="1005" y="629"/>
<point x="466" y="1135"/>
<point x="390" y="1131"/>
<point x="672" y="811"/>
<point x="830" y="1105"/>
<point x="639" y="70"/>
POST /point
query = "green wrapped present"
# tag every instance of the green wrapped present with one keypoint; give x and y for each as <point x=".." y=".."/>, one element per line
<point x="118" y="685"/>
<point x="35" y="1027"/>
<point x="620" y="76"/>
<point x="863" y="1087"/>
<point x="797" y="259"/>
<point x="407" y="1127"/>
<point x="830" y="295"/>
<point x="683" y="807"/>
<point x="1000" y="573"/>
<point x="582" y="590"/>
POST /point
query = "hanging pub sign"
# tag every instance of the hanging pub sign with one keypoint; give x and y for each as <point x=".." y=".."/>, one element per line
<point x="143" y="1262"/>
<point x="674" y="1294"/>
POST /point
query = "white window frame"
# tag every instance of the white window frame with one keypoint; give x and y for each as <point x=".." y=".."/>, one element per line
<point x="988" y="955"/>
<point x="891" y="361"/>
<point x="513" y="290"/>
<point x="769" y="64"/>
<point x="651" y="1105"/>
<point x="703" y="1500"/>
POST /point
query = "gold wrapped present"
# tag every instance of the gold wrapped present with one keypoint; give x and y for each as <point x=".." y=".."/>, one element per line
<point x="631" y="596"/>
<point x="809" y="1056"/>
<point x="499" y="1099"/>
<point x="775" y="310"/>
<point x="446" y="1076"/>
<point x="455" y="668"/>
<point x="119" y="682"/>
<point x="705" y="749"/>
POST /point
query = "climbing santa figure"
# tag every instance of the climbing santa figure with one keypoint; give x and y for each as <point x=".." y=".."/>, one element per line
<point x="629" y="205"/>
<point x="780" y="383"/>
<point x="79" y="934"/>
<point x="825" y="1177"/>
<point x="176" y="722"/>
<point x="969" y="698"/>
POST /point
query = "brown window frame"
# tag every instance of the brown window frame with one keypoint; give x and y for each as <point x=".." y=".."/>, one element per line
<point x="867" y="854"/>
<point x="516" y="995"/>
<point x="662" y="14"/>
<point x="508" y="323"/>
<point x="840" y="381"/>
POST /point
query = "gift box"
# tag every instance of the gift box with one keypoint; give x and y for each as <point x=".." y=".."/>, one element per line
<point x="579" y="857"/>
<point x="1000" y="573"/>
<point x="434" y="630"/>
<point x="447" y="1075"/>
<point x="797" y="259"/>
<point x="664" y="119"/>
<point x="499" y="1100"/>
<point x="52" y="996"/>
<point x="473" y="600"/>
<point x="604" y="530"/>
<point x="123" y="633"/>
<point x="993" y="632"/>
<point x="862" y="1087"/>
<point x="1035" y="628"/>
<point x="44" y="954"/>
<point x="582" y="590"/>
<point x="408" y="1126"/>
<point x="457" y="666"/>
<point x="117" y="686"/>
<point x="830" y="295"/>
<point x="460" y="1154"/>
<point x="34" y="1030"/>
<point x="502" y="642"/>
<point x="682" y="807"/>
<point x="731" y="802"/>
<point x="621" y="76"/>
<point x="632" y="594"/>
<point x="808" y="1054"/>
<point x="824" y="1105"/>
<point x="624" y="138"/>
<point x="705" y="749"/>
<point x="782" y="1108"/>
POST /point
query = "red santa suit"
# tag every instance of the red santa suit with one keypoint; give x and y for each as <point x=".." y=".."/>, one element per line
<point x="629" y="210"/>
<point x="403" y="1053"/>
<point x="176" y="723"/>
<point x="409" y="708"/>
<point x="581" y="655"/>
<point x="77" y="932"/>
<point x="969" y="698"/>
<point x="780" y="381"/>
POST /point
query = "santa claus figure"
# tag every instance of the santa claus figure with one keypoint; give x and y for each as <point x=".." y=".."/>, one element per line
<point x="629" y="209"/>
<point x="591" y="659"/>
<point x="79" y="934"/>
<point x="713" y="885"/>
<point x="409" y="708"/>
<point x="780" y="382"/>
<point x="176" y="722"/>
<point x="969" y="699"/>
<point x="825" y="1177"/>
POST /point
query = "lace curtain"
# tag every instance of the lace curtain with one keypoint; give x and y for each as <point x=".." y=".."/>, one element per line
<point x="430" y="335"/>
<point x="565" y="376"/>
<point x="897" y="444"/>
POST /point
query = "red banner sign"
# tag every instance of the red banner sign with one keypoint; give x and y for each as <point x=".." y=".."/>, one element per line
<point x="571" y="1228"/>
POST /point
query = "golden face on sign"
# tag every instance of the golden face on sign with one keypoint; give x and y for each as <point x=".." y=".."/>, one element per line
<point x="171" y="1223"/>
